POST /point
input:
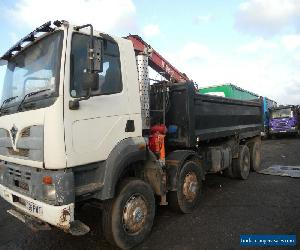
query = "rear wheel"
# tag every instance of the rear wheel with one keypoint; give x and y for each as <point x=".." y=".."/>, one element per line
<point x="189" y="187"/>
<point x="255" y="155"/>
<point x="228" y="172"/>
<point x="241" y="165"/>
<point x="128" y="218"/>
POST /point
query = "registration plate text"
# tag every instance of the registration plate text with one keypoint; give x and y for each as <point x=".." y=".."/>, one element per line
<point x="33" y="208"/>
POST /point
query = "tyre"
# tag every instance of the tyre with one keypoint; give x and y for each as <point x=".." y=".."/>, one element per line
<point x="255" y="155"/>
<point x="128" y="218"/>
<point x="228" y="172"/>
<point x="241" y="165"/>
<point x="189" y="188"/>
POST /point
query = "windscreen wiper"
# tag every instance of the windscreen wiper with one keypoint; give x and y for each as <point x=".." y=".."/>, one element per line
<point x="7" y="101"/>
<point x="29" y="95"/>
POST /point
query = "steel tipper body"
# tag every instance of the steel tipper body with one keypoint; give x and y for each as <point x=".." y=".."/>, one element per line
<point x="234" y="92"/>
<point x="284" y="120"/>
<point x="203" y="117"/>
<point x="80" y="122"/>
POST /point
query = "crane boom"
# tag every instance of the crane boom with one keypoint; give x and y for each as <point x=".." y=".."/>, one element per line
<point x="156" y="61"/>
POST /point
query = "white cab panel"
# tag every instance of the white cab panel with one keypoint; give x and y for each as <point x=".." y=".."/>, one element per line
<point x="92" y="131"/>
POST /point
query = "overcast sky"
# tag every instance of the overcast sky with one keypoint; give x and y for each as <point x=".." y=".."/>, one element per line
<point x="254" y="44"/>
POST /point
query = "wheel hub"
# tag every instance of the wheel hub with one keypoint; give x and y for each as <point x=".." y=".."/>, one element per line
<point x="134" y="214"/>
<point x="190" y="186"/>
<point x="246" y="163"/>
<point x="138" y="215"/>
<point x="257" y="155"/>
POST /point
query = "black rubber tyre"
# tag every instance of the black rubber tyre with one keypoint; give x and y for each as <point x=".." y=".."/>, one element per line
<point x="241" y="165"/>
<point x="255" y="155"/>
<point x="189" y="188"/>
<point x="128" y="218"/>
<point x="228" y="172"/>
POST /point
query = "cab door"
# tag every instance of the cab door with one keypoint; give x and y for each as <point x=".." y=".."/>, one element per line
<point x="95" y="128"/>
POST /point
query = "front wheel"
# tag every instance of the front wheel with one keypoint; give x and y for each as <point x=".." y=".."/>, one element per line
<point x="189" y="188"/>
<point x="128" y="218"/>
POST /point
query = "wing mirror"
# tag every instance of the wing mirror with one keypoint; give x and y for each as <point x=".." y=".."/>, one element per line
<point x="90" y="79"/>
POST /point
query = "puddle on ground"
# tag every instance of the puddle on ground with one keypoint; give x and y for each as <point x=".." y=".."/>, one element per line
<point x="291" y="171"/>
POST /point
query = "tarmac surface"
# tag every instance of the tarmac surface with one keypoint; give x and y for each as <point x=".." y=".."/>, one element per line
<point x="264" y="204"/>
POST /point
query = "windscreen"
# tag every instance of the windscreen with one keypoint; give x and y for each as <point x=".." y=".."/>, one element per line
<point x="36" y="68"/>
<point x="282" y="113"/>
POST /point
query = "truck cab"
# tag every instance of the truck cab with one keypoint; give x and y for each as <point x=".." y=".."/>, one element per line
<point x="284" y="120"/>
<point x="45" y="142"/>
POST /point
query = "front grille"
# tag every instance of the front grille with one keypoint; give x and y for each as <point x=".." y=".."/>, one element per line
<point x="25" y="132"/>
<point x="19" y="178"/>
<point x="21" y="184"/>
<point x="21" y="152"/>
<point x="282" y="124"/>
<point x="14" y="172"/>
<point x="28" y="144"/>
<point x="19" y="174"/>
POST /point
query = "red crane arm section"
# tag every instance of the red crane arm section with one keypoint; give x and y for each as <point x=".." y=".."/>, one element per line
<point x="156" y="61"/>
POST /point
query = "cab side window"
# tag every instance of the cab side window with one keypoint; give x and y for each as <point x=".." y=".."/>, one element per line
<point x="110" y="79"/>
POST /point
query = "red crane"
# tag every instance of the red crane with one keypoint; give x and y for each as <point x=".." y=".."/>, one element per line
<point x="156" y="61"/>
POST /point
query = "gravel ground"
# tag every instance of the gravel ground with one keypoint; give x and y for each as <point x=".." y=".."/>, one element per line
<point x="263" y="204"/>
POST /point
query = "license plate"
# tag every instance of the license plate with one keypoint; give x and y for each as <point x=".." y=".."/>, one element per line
<point x="282" y="131"/>
<point x="33" y="208"/>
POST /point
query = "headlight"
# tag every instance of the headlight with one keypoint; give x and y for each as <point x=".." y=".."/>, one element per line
<point x="49" y="192"/>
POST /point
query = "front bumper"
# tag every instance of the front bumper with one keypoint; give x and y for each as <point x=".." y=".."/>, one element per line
<point x="283" y="131"/>
<point x="58" y="216"/>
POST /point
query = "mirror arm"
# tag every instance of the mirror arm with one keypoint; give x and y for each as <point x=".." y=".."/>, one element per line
<point x="74" y="104"/>
<point x="91" y="47"/>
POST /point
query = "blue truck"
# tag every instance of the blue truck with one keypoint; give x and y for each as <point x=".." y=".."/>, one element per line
<point x="268" y="104"/>
<point x="284" y="120"/>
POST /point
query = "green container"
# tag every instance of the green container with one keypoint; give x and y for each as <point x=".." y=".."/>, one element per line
<point x="230" y="91"/>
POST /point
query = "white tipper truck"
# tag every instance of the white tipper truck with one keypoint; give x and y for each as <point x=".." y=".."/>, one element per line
<point x="76" y="127"/>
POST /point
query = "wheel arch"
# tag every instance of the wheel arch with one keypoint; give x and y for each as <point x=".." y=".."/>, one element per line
<point x="174" y="162"/>
<point x="125" y="156"/>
